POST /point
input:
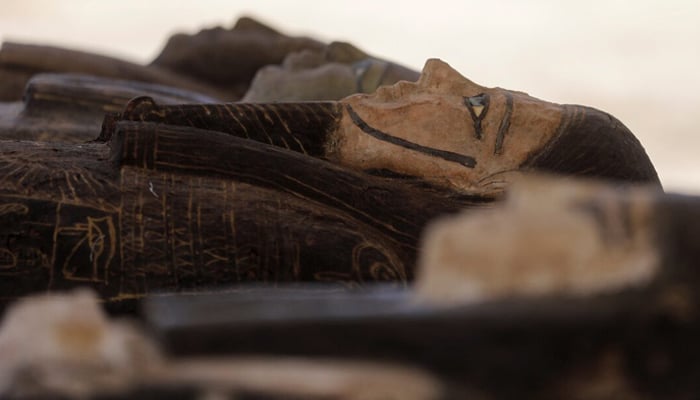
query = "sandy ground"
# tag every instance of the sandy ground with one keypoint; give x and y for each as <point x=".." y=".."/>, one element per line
<point x="638" y="60"/>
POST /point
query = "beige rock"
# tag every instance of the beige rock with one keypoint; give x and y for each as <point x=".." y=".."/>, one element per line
<point x="550" y="236"/>
<point x="65" y="344"/>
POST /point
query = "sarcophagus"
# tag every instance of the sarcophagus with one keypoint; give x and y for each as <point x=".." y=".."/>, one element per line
<point x="191" y="198"/>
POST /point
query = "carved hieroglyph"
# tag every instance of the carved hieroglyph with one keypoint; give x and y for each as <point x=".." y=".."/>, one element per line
<point x="197" y="211"/>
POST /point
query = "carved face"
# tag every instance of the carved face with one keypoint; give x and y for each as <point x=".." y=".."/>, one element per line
<point x="445" y="129"/>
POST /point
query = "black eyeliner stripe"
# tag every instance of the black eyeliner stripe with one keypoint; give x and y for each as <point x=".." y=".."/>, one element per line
<point x="466" y="161"/>
<point x="505" y="124"/>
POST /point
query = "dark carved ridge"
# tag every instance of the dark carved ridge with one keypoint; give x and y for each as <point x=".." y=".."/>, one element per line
<point x="301" y="127"/>
<point x="72" y="92"/>
<point x="594" y="144"/>
<point x="37" y="59"/>
<point x="69" y="108"/>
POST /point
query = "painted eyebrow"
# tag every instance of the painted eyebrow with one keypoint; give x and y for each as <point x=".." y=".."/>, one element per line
<point x="505" y="124"/>
<point x="466" y="161"/>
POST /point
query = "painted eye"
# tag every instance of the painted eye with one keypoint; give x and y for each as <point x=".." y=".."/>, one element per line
<point x="478" y="103"/>
<point x="478" y="106"/>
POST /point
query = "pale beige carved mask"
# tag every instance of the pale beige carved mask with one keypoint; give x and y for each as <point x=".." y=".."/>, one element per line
<point x="445" y="129"/>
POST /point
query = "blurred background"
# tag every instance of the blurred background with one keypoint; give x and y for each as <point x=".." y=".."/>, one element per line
<point x="638" y="60"/>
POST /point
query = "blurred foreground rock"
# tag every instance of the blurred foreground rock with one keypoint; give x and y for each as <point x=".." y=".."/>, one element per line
<point x="65" y="347"/>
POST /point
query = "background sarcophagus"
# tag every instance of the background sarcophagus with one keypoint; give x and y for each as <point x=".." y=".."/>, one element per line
<point x="70" y="108"/>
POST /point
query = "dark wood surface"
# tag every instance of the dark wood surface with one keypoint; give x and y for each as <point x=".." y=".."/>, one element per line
<point x="525" y="348"/>
<point x="168" y="209"/>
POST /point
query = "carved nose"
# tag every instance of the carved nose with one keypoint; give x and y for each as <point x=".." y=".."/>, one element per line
<point x="594" y="144"/>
